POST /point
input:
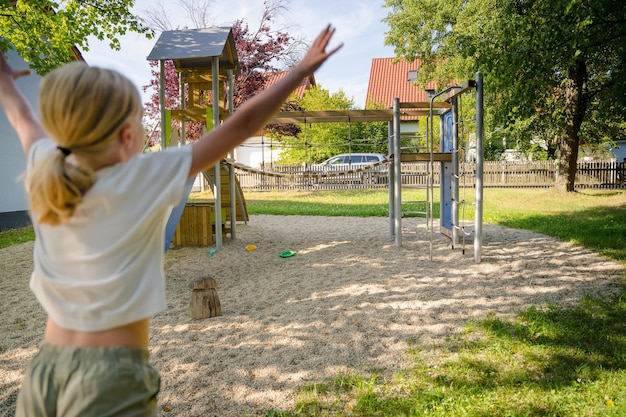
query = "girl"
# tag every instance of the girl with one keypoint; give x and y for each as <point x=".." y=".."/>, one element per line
<point x="99" y="209"/>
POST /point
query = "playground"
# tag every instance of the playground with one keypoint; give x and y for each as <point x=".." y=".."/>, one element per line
<point x="354" y="296"/>
<point x="348" y="302"/>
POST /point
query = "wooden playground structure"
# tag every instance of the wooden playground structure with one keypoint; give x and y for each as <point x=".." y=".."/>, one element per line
<point x="205" y="61"/>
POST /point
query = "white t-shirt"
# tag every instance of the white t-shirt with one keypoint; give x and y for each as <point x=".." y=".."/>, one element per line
<point x="104" y="268"/>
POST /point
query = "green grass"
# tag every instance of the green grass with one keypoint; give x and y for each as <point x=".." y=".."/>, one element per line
<point x="547" y="361"/>
<point x="595" y="219"/>
<point x="16" y="236"/>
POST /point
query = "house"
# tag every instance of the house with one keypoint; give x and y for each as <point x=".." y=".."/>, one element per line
<point x="13" y="203"/>
<point x="389" y="80"/>
<point x="262" y="149"/>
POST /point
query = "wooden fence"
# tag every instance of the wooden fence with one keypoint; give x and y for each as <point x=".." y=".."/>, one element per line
<point x="495" y="174"/>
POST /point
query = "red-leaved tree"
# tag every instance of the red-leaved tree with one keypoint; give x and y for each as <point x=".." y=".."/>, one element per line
<point x="259" y="51"/>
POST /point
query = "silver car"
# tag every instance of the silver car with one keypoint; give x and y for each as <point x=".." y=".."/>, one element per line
<point x="347" y="167"/>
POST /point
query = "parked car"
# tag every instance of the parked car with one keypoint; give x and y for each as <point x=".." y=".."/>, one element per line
<point x="359" y="162"/>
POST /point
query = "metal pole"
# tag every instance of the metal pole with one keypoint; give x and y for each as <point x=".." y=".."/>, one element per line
<point x="216" y="169"/>
<point x="231" y="171"/>
<point x="162" y="100"/>
<point x="428" y="147"/>
<point x="397" y="168"/>
<point x="430" y="193"/>
<point x="391" y="175"/>
<point x="478" y="216"/>
<point x="441" y="174"/>
<point x="455" y="172"/>
<point x="183" y="105"/>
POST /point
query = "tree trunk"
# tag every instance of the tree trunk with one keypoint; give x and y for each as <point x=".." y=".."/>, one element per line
<point x="576" y="100"/>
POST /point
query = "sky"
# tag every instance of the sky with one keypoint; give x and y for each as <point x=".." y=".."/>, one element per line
<point x="357" y="22"/>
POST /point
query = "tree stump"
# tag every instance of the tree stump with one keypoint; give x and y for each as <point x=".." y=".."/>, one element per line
<point x="204" y="302"/>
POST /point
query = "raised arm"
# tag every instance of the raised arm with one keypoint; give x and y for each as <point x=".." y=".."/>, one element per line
<point x="254" y="113"/>
<point x="16" y="107"/>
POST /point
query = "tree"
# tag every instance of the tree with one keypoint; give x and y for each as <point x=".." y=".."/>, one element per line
<point x="197" y="11"/>
<point x="552" y="67"/>
<point x="259" y="51"/>
<point x="319" y="141"/>
<point x="45" y="32"/>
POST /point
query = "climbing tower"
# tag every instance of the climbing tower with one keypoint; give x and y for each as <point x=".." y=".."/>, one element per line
<point x="206" y="62"/>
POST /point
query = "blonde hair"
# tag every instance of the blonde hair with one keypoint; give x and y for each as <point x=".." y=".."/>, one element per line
<point x="83" y="109"/>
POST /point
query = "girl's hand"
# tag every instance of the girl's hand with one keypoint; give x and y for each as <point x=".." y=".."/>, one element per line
<point x="7" y="72"/>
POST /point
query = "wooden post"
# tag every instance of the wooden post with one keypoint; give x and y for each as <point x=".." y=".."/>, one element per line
<point x="204" y="302"/>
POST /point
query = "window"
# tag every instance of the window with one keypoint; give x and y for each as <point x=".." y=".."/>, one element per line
<point x="336" y="160"/>
<point x="411" y="76"/>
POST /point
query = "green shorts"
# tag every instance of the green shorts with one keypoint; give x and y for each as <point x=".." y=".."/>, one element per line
<point x="100" y="381"/>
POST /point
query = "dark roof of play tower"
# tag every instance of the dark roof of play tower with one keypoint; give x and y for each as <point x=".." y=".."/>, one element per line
<point x="195" y="48"/>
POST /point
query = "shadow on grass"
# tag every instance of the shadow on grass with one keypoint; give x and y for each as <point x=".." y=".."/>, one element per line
<point x="601" y="229"/>
<point x="573" y="344"/>
<point x="551" y="361"/>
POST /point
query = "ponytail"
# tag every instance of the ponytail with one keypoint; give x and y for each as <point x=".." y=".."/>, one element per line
<point x="55" y="187"/>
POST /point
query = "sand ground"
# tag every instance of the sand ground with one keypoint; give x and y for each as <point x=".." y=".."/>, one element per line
<point x="349" y="301"/>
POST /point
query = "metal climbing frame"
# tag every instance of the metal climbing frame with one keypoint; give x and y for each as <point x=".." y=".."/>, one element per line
<point x="458" y="229"/>
<point x="395" y="187"/>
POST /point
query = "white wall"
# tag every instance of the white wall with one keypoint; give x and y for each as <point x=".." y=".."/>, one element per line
<point x="12" y="160"/>
<point x="256" y="150"/>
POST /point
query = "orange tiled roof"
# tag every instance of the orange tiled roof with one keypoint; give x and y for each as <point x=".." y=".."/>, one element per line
<point x="388" y="81"/>
<point x="272" y="78"/>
